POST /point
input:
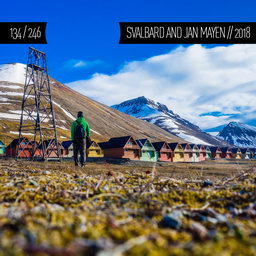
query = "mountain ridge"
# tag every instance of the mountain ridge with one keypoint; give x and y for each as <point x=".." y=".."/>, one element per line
<point x="239" y="134"/>
<point x="159" y="114"/>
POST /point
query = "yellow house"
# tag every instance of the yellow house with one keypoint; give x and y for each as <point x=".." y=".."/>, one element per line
<point x="236" y="153"/>
<point x="94" y="150"/>
<point x="178" y="152"/>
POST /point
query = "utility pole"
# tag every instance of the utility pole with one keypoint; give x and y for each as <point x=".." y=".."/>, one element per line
<point x="37" y="114"/>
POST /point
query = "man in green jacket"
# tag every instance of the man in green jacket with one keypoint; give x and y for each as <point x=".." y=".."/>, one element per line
<point x="79" y="130"/>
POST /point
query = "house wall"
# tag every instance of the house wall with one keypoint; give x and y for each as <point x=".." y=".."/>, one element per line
<point x="178" y="156"/>
<point x="202" y="156"/>
<point x="164" y="156"/>
<point x="11" y="152"/>
<point x="218" y="155"/>
<point x="148" y="155"/>
<point x="195" y="156"/>
<point x="94" y="152"/>
<point x="133" y="154"/>
<point x="208" y="155"/>
<point x="187" y="157"/>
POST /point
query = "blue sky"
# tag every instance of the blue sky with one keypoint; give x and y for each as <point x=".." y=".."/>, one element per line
<point x="83" y="51"/>
<point x="88" y="31"/>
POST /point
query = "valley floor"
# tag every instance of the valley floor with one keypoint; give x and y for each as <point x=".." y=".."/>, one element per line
<point x="105" y="209"/>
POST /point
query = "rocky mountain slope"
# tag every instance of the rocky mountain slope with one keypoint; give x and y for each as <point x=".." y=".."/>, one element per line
<point x="238" y="134"/>
<point x="158" y="114"/>
<point x="105" y="122"/>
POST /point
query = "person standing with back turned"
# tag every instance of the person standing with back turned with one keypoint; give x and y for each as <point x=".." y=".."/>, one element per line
<point x="79" y="130"/>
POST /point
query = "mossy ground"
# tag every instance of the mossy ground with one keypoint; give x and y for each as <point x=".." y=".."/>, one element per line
<point x="103" y="209"/>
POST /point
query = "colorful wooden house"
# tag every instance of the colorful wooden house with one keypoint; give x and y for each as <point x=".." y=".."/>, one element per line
<point x="50" y="148"/>
<point x="195" y="152"/>
<point x="2" y="148"/>
<point x="236" y="153"/>
<point x="253" y="152"/>
<point x="177" y="152"/>
<point x="226" y="152"/>
<point x="187" y="152"/>
<point x="25" y="145"/>
<point x="163" y="150"/>
<point x="246" y="153"/>
<point x="147" y="150"/>
<point x="94" y="150"/>
<point x="68" y="150"/>
<point x="202" y="152"/>
<point x="121" y="147"/>
<point x="208" y="152"/>
<point x="216" y="152"/>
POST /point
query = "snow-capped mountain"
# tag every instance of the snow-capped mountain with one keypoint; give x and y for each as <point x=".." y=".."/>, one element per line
<point x="159" y="114"/>
<point x="238" y="134"/>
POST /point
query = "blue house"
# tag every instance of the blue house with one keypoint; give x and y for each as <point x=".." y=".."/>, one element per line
<point x="2" y="148"/>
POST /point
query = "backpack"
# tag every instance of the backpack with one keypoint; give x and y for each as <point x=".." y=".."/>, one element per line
<point x="79" y="132"/>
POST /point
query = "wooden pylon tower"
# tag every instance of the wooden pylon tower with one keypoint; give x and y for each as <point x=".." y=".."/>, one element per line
<point x="37" y="114"/>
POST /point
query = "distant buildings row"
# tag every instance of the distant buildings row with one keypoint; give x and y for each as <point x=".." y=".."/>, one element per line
<point x="143" y="149"/>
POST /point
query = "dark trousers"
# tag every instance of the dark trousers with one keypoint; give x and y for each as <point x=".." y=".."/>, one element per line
<point x="79" y="148"/>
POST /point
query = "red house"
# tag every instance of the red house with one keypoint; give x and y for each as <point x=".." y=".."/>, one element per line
<point x="121" y="147"/>
<point x="164" y="151"/>
<point x="226" y="153"/>
<point x="26" y="148"/>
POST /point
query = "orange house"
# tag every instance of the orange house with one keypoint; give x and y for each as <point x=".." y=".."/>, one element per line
<point x="121" y="147"/>
<point x="216" y="152"/>
<point x="187" y="152"/>
<point x="202" y="152"/>
<point x="163" y="150"/>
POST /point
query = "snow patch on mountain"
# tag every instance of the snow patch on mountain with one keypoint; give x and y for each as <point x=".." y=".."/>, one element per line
<point x="13" y="72"/>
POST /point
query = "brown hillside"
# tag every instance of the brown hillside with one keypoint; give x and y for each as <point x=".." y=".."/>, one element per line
<point x="104" y="121"/>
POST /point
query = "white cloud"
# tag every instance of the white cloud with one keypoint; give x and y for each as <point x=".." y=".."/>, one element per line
<point x="190" y="81"/>
<point x="81" y="64"/>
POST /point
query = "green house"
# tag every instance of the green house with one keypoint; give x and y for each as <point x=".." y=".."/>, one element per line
<point x="147" y="152"/>
<point x="208" y="152"/>
<point x="2" y="148"/>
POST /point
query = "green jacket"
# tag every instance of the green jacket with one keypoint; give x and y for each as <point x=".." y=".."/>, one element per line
<point x="82" y="121"/>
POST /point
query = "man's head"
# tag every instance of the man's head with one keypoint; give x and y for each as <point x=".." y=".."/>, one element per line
<point x="80" y="114"/>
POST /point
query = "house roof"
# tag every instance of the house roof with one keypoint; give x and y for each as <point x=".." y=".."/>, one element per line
<point x="158" y="145"/>
<point x="47" y="142"/>
<point x="141" y="142"/>
<point x="184" y="145"/>
<point x="118" y="142"/>
<point x="235" y="150"/>
<point x="224" y="149"/>
<point x="214" y="149"/>
<point x="91" y="143"/>
<point x="66" y="144"/>
<point x="244" y="150"/>
<point x="104" y="145"/>
<point x="16" y="142"/>
<point x="173" y="145"/>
